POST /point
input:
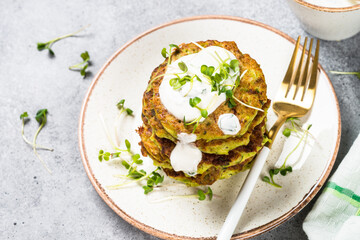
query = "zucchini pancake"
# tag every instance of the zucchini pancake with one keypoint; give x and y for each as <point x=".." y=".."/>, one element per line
<point x="204" y="112"/>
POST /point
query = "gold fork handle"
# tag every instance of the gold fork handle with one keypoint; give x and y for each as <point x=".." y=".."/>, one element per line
<point x="275" y="129"/>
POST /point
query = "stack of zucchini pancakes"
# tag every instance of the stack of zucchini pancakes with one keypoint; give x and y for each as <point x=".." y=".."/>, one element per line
<point x="223" y="155"/>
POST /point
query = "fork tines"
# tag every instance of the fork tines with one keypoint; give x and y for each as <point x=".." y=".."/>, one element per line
<point x="299" y="76"/>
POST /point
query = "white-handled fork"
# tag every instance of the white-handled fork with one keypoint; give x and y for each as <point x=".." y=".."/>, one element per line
<point x="288" y="103"/>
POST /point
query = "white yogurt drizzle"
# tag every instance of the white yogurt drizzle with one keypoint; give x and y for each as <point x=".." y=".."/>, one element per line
<point x="229" y="124"/>
<point x="186" y="156"/>
<point x="177" y="101"/>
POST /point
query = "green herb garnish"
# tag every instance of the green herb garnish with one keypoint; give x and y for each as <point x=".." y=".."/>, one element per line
<point x="194" y="103"/>
<point x="202" y="195"/>
<point x="153" y="180"/>
<point x="165" y="53"/>
<point x="120" y="105"/>
<point x="47" y="45"/>
<point x="177" y="82"/>
<point x="41" y="118"/>
<point x="133" y="174"/>
<point x="203" y="112"/>
<point x="283" y="170"/>
<point x="183" y="67"/>
<point x="347" y="73"/>
<point x="25" y="118"/>
<point x="83" y="65"/>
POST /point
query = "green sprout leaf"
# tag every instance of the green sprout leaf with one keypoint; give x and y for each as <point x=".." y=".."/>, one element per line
<point x="83" y="65"/>
<point x="85" y="56"/>
<point x="129" y="111"/>
<point x="164" y="52"/>
<point x="125" y="164"/>
<point x="266" y="179"/>
<point x="136" y="159"/>
<point x="201" y="195"/>
<point x="287" y="132"/>
<point x="234" y="65"/>
<point x="204" y="113"/>
<point x="194" y="101"/>
<point x="41" y="46"/>
<point x="174" y="46"/>
<point x="208" y="71"/>
<point x="183" y="66"/>
<point x="83" y="70"/>
<point x="120" y="104"/>
<point x="128" y="145"/>
<point x="41" y="116"/>
<point x="210" y="193"/>
<point x="147" y="189"/>
<point x="24" y="115"/>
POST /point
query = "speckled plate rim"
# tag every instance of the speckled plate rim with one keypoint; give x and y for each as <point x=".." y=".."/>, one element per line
<point x="161" y="234"/>
<point x="328" y="9"/>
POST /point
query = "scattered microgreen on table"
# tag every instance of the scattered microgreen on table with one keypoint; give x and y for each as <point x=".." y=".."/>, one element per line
<point x="47" y="45"/>
<point x="347" y="73"/>
<point x="283" y="170"/>
<point x="83" y="65"/>
<point x="41" y="118"/>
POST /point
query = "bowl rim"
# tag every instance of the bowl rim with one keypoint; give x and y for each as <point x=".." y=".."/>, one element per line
<point x="327" y="9"/>
<point x="165" y="235"/>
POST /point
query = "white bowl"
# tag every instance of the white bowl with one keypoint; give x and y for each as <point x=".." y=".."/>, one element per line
<point x="327" y="23"/>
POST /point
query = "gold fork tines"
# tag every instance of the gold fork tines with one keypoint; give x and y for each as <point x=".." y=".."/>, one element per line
<point x="300" y="77"/>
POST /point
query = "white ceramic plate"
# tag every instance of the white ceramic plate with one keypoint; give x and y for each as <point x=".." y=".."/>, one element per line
<point x="125" y="75"/>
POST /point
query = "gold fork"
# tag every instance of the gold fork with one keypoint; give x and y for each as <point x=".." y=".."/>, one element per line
<point x="288" y="103"/>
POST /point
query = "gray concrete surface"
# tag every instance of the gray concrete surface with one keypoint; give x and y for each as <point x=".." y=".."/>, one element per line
<point x="64" y="205"/>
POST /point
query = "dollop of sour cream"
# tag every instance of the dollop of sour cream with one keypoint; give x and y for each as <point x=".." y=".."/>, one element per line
<point x="177" y="101"/>
<point x="229" y="124"/>
<point x="186" y="156"/>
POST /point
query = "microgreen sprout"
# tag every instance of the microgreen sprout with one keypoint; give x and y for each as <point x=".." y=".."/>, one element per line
<point x="47" y="45"/>
<point x="347" y="73"/>
<point x="165" y="53"/>
<point x="107" y="155"/>
<point x="202" y="195"/>
<point x="122" y="108"/>
<point x="234" y="65"/>
<point x="133" y="174"/>
<point x="183" y="67"/>
<point x="283" y="170"/>
<point x="194" y="103"/>
<point x="41" y="118"/>
<point x="203" y="112"/>
<point x="25" y="118"/>
<point x="177" y="82"/>
<point x="83" y="65"/>
<point x="153" y="180"/>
